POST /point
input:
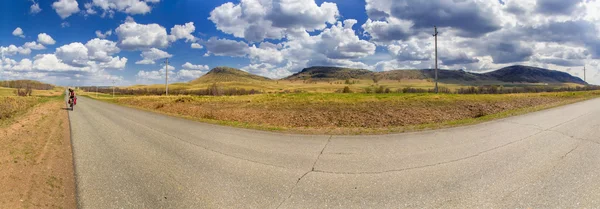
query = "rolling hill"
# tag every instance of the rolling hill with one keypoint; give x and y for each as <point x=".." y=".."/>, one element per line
<point x="227" y="74"/>
<point x="517" y="74"/>
<point x="526" y="74"/>
<point x="331" y="73"/>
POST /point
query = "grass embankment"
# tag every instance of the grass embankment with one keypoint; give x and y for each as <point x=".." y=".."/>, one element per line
<point x="35" y="153"/>
<point x="13" y="106"/>
<point x="350" y="113"/>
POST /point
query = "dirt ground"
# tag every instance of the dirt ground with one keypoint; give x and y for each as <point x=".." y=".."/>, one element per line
<point x="36" y="163"/>
<point x="348" y="113"/>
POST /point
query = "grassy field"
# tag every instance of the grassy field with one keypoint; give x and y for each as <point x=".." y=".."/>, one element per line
<point x="332" y="113"/>
<point x="357" y="86"/>
<point x="7" y="92"/>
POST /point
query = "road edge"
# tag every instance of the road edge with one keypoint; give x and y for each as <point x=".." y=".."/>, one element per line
<point x="75" y="176"/>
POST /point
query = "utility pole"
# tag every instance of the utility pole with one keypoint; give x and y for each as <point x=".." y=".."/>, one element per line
<point x="436" y="59"/>
<point x="167" y="77"/>
<point x="584" y="74"/>
<point x="96" y="91"/>
<point x="114" y="81"/>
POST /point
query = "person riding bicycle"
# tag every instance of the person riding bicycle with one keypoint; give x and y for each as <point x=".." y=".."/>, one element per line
<point x="72" y="96"/>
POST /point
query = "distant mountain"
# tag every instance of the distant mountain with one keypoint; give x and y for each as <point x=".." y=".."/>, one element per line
<point x="526" y="74"/>
<point x="227" y="74"/>
<point x="331" y="73"/>
<point x="517" y="73"/>
<point x="512" y="74"/>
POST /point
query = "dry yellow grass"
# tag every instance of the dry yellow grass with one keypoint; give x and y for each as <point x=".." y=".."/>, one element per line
<point x="349" y="113"/>
<point x="9" y="106"/>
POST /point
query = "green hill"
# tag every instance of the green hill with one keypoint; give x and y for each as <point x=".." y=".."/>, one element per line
<point x="227" y="74"/>
<point x="331" y="73"/>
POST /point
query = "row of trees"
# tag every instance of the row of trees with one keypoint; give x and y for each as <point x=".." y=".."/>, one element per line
<point x="476" y="90"/>
<point x="213" y="90"/>
<point x="26" y="84"/>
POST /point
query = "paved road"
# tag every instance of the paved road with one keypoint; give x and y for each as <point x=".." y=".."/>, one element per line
<point x="126" y="158"/>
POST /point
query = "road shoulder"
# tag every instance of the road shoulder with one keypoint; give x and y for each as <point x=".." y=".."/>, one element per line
<point x="36" y="159"/>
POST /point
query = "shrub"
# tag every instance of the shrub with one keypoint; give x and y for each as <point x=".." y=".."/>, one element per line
<point x="346" y="90"/>
<point x="380" y="90"/>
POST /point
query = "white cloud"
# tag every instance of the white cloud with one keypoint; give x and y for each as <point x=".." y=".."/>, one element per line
<point x="196" y="46"/>
<point x="35" y="8"/>
<point x="267" y="52"/>
<point x="75" y="54"/>
<point x="272" y="19"/>
<point x="89" y="10"/>
<point x="7" y="64"/>
<point x="65" y="25"/>
<point x="45" y="39"/>
<point x="267" y="70"/>
<point x="191" y="66"/>
<point x="134" y="36"/>
<point x="65" y="8"/>
<point x="49" y="62"/>
<point x="33" y="45"/>
<point x="101" y="50"/>
<point x="226" y="47"/>
<point x="99" y="34"/>
<point x="149" y="56"/>
<point x="23" y="50"/>
<point x="335" y="46"/>
<point x="183" y="31"/>
<point x="158" y="76"/>
<point x="131" y="7"/>
<point x="187" y="75"/>
<point x="18" y="32"/>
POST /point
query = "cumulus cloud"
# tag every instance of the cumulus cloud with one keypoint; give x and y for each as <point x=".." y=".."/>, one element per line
<point x="33" y="45"/>
<point x="470" y="18"/>
<point x="99" y="34"/>
<point x="187" y="75"/>
<point x="134" y="36"/>
<point x="191" y="66"/>
<point x="183" y="32"/>
<point x="65" y="8"/>
<point x="158" y="76"/>
<point x="558" y="7"/>
<point x="196" y="46"/>
<point x="75" y="54"/>
<point x="18" y="32"/>
<point x="131" y="7"/>
<point x="89" y="9"/>
<point x="23" y="50"/>
<point x="101" y="50"/>
<point x="45" y="39"/>
<point x="226" y="47"/>
<point x="272" y="19"/>
<point x="337" y="45"/>
<point x="149" y="56"/>
<point x="50" y="62"/>
<point x="35" y="8"/>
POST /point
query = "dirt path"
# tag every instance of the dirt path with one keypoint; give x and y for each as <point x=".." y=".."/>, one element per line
<point x="36" y="163"/>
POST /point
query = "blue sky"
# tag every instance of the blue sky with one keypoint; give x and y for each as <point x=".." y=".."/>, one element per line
<point x="66" y="42"/>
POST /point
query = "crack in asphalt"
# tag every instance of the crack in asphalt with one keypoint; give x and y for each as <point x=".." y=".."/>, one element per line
<point x="540" y="131"/>
<point x="429" y="165"/>
<point x="540" y="175"/>
<point x="303" y="175"/>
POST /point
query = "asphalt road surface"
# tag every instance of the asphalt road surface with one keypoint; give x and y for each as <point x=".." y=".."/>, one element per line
<point x="127" y="158"/>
